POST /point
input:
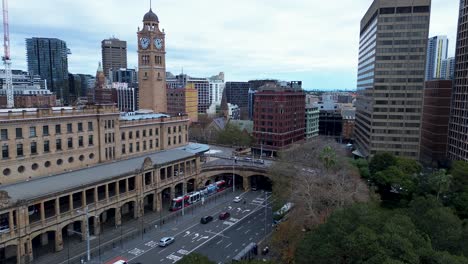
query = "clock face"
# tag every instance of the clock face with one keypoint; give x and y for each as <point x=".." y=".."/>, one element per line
<point x="158" y="43"/>
<point x="144" y="42"/>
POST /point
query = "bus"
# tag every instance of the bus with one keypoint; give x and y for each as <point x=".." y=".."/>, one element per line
<point x="248" y="253"/>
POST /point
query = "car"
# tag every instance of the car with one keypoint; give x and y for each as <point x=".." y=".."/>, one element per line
<point x="237" y="199"/>
<point x="166" y="241"/>
<point x="247" y="159"/>
<point x="206" y="219"/>
<point x="224" y="215"/>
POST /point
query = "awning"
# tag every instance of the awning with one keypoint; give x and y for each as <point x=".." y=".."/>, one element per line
<point x="358" y="153"/>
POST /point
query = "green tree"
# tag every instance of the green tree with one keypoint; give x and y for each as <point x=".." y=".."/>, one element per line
<point x="459" y="202"/>
<point x="408" y="166"/>
<point x="363" y="166"/>
<point x="232" y="135"/>
<point x="459" y="172"/>
<point x="195" y="258"/>
<point x="328" y="157"/>
<point x="440" y="182"/>
<point x="381" y="161"/>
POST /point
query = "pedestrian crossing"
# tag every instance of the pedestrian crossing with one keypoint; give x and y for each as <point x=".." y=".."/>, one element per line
<point x="258" y="201"/>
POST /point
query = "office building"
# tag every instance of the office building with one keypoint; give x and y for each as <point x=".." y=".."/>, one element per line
<point x="448" y="68"/>
<point x="238" y="93"/>
<point x="390" y="81"/>
<point x="330" y="123"/>
<point x="251" y="103"/>
<point x="114" y="55"/>
<point x="279" y="117"/>
<point x="123" y="75"/>
<point x="458" y="125"/>
<point x="312" y="121"/>
<point x="202" y="85"/>
<point x="435" y="120"/>
<point x="348" y="115"/>
<point x="152" y="65"/>
<point x="124" y="97"/>
<point x="216" y="89"/>
<point x="183" y="101"/>
<point x="437" y="48"/>
<point x="48" y="58"/>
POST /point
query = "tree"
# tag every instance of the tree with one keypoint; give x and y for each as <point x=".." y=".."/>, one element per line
<point x="459" y="172"/>
<point x="381" y="161"/>
<point x="328" y="157"/>
<point x="232" y="135"/>
<point x="195" y="258"/>
<point x="363" y="167"/>
<point x="440" y="182"/>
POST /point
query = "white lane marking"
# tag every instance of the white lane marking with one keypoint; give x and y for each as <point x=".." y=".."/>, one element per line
<point x="247" y="231"/>
<point x="219" y="242"/>
<point x="228" y="245"/>
<point x="151" y="244"/>
<point x="136" y="251"/>
<point x="174" y="258"/>
<point x="162" y="260"/>
<point x="233" y="219"/>
<point x="186" y="233"/>
<point x="239" y="228"/>
<point x="183" y="251"/>
<point x="163" y="250"/>
<point x="228" y="223"/>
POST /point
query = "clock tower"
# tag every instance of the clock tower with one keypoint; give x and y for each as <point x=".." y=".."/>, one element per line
<point x="152" y="65"/>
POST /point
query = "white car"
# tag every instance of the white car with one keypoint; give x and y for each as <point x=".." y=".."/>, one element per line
<point x="166" y="241"/>
<point x="237" y="199"/>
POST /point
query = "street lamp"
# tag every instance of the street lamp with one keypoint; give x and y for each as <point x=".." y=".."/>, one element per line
<point x="86" y="212"/>
<point x="233" y="176"/>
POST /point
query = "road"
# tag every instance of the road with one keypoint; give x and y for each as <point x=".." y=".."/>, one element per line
<point x="220" y="240"/>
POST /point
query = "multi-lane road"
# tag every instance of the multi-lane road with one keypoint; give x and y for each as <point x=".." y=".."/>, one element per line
<point x="220" y="240"/>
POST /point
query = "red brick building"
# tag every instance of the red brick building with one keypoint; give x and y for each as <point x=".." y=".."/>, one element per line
<point x="435" y="121"/>
<point x="28" y="101"/>
<point x="279" y="117"/>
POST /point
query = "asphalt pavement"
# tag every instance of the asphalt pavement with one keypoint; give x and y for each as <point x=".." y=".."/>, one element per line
<point x="220" y="240"/>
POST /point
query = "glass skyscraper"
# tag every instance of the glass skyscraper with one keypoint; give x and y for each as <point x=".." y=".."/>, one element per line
<point x="48" y="58"/>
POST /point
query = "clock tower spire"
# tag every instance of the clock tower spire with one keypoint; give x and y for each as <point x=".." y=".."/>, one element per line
<point x="152" y="65"/>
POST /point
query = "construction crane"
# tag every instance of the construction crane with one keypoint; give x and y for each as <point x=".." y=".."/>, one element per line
<point x="6" y="57"/>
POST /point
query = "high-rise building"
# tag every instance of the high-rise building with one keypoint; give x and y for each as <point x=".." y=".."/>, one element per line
<point x="448" y="68"/>
<point x="152" y="65"/>
<point x="114" y="55"/>
<point x="184" y="101"/>
<point x="202" y="85"/>
<point x="279" y="117"/>
<point x="458" y="125"/>
<point x="124" y="97"/>
<point x="122" y="75"/>
<point x="390" y="81"/>
<point x="48" y="58"/>
<point x="312" y="121"/>
<point x="437" y="48"/>
<point x="435" y="119"/>
<point x="216" y="90"/>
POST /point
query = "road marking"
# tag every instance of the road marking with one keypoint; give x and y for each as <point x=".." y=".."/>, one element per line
<point x="219" y="242"/>
<point x="221" y="235"/>
<point x="183" y="251"/>
<point x="174" y="258"/>
<point x="162" y="260"/>
<point x="228" y="245"/>
<point x="186" y="233"/>
<point x="247" y="231"/>
<point x="163" y="250"/>
<point x="233" y="219"/>
<point x="151" y="244"/>
<point x="228" y="257"/>
<point x="136" y="251"/>
<point x="250" y="239"/>
<point x="243" y="245"/>
<point x="228" y="223"/>
<point x="239" y="228"/>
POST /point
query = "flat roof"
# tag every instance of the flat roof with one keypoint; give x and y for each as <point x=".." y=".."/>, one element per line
<point x="142" y="116"/>
<point x="40" y="187"/>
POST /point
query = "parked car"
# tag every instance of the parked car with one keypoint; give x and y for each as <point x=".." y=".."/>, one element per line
<point x="206" y="219"/>
<point x="237" y="199"/>
<point x="166" y="241"/>
<point x="224" y="215"/>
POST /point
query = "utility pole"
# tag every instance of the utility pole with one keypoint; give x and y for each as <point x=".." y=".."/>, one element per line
<point x="88" y="249"/>
<point x="233" y="176"/>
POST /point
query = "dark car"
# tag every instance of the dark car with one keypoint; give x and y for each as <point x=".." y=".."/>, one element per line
<point x="224" y="215"/>
<point x="206" y="219"/>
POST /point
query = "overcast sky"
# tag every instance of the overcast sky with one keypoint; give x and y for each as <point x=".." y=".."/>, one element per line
<point x="314" y="41"/>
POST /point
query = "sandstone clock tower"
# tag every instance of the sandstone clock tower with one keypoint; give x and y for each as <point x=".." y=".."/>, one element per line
<point x="152" y="65"/>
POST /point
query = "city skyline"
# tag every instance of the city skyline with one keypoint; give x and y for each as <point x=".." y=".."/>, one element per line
<point x="274" y="42"/>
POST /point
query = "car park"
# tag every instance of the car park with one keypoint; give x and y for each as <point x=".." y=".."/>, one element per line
<point x="206" y="219"/>
<point x="237" y="199"/>
<point x="166" y="241"/>
<point x="224" y="215"/>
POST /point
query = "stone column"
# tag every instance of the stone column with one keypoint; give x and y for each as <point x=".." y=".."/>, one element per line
<point x="96" y="199"/>
<point x="172" y="192"/>
<point x="70" y="200"/>
<point x="83" y="198"/>
<point x="117" y="189"/>
<point x="11" y="223"/>
<point x="245" y="183"/>
<point x="42" y="211"/>
<point x="158" y="199"/>
<point x="58" y="240"/>
<point x="44" y="239"/>
<point x="184" y="187"/>
<point x="57" y="207"/>
<point x="137" y="209"/>
<point x="97" y="226"/>
<point x="118" y="217"/>
<point x="107" y="192"/>
<point x="84" y="229"/>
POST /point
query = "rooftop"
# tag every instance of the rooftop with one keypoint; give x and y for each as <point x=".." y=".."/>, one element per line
<point x="142" y="116"/>
<point x="69" y="180"/>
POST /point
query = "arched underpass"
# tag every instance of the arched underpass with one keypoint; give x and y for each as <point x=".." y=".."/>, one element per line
<point x="43" y="244"/>
<point x="8" y="254"/>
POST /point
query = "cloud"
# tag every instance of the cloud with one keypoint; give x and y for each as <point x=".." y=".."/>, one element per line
<point x="247" y="39"/>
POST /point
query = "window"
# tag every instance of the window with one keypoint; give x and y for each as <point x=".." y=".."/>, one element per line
<point x="168" y="130"/>
<point x="112" y="123"/>
<point x="70" y="143"/>
<point x="58" y="144"/>
<point x="130" y="148"/>
<point x="144" y="145"/>
<point x="80" y="127"/>
<point x="180" y="139"/>
<point x="33" y="148"/>
<point x="19" y="150"/>
<point x="158" y="60"/>
<point x="5" y="152"/>
<point x="19" y="132"/>
<point x="180" y="128"/>
<point x="150" y="132"/>
<point x="90" y="126"/>
<point x="144" y="132"/>
<point x="123" y="148"/>
<point x="46" y="146"/>
<point x="80" y="141"/>
<point x="174" y="129"/>
<point x="32" y="131"/>
<point x="4" y="133"/>
<point x="169" y="141"/>
<point x="156" y="131"/>
<point x="130" y="134"/>
<point x="90" y="140"/>
<point x="58" y="129"/>
<point x="123" y="136"/>
<point x="138" y="134"/>
<point x="69" y="128"/>
<point x="137" y="146"/>
<point x="151" y="144"/>
<point x="45" y="130"/>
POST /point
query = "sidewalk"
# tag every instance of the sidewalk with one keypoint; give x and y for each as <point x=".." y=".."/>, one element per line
<point x="115" y="241"/>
